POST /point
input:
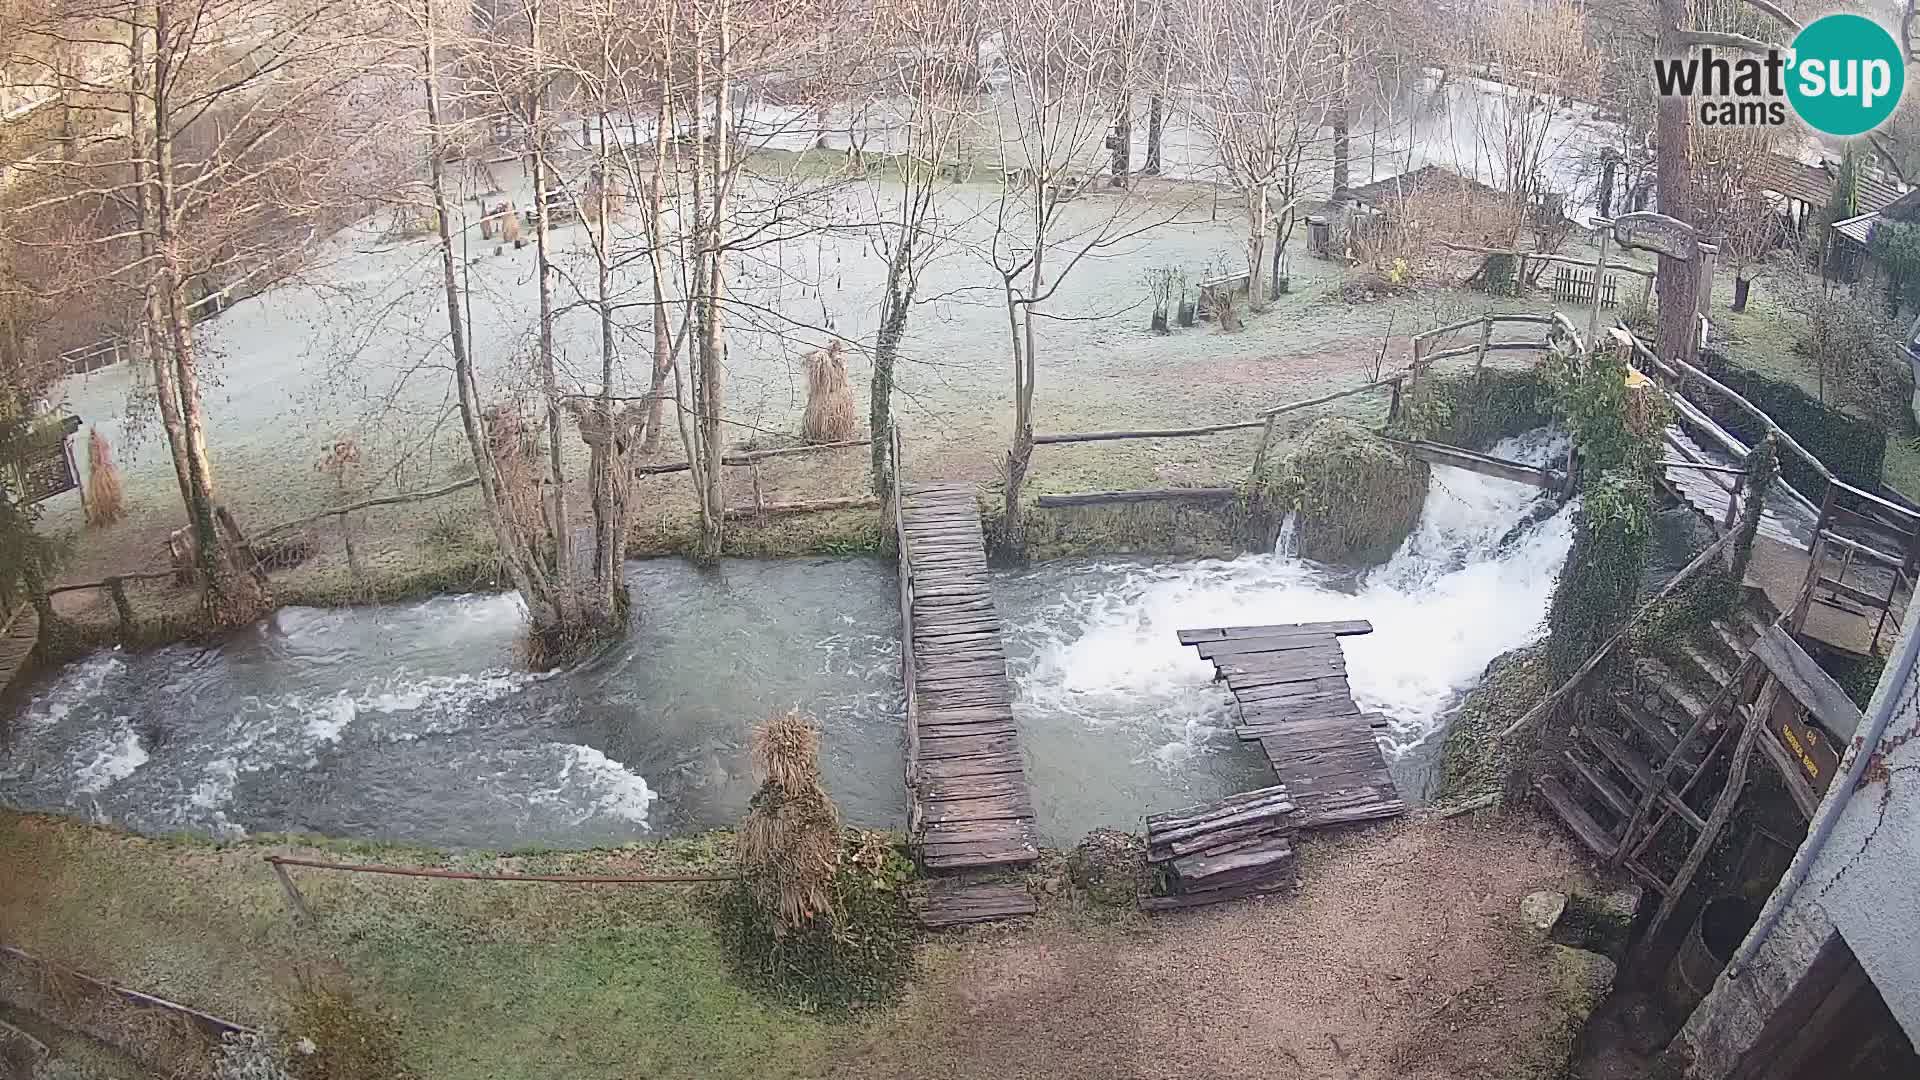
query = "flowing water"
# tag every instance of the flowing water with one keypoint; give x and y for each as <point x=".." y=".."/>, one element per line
<point x="1120" y="719"/>
<point x="414" y="722"/>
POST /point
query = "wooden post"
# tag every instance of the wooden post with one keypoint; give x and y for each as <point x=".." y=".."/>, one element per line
<point x="759" y="501"/>
<point x="1479" y="376"/>
<point x="301" y="914"/>
<point x="1260" y="453"/>
<point x="1799" y="617"/>
<point x="1393" y="406"/>
<point x="117" y="592"/>
<point x="1599" y="275"/>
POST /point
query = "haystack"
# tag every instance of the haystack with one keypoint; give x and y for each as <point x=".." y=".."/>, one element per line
<point x="1357" y="495"/>
<point x="790" y="842"/>
<point x="104" y="493"/>
<point x="830" y="416"/>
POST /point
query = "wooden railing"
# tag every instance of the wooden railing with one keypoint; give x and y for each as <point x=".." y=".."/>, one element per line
<point x="896" y="467"/>
<point x="1397" y="385"/>
<point x="1841" y="505"/>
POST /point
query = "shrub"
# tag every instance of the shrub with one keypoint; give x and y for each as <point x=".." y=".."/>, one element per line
<point x="818" y="918"/>
<point x="1855" y="349"/>
<point x="1477" y="410"/>
<point x="1853" y="448"/>
<point x="854" y="953"/>
<point x="830" y="415"/>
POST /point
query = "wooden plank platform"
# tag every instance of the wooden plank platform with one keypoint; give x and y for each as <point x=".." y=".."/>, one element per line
<point x="19" y="632"/>
<point x="951" y="903"/>
<point x="1291" y="684"/>
<point x="971" y="807"/>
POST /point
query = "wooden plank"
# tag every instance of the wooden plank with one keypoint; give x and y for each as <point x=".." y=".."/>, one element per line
<point x="997" y="807"/>
<point x="1806" y="683"/>
<point x="1248" y="815"/>
<point x="1214" y="841"/>
<point x="1609" y="792"/>
<point x="1234" y="647"/>
<point x="957" y="905"/>
<point x="1338" y="628"/>
<point x="1158" y="904"/>
<point x="948" y="744"/>
<point x="1266" y="855"/>
<point x="1198" y="811"/>
<point x="976" y="765"/>
<point x="977" y="786"/>
<point x="1576" y="818"/>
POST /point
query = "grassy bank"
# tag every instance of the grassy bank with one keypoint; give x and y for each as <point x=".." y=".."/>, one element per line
<point x="468" y="979"/>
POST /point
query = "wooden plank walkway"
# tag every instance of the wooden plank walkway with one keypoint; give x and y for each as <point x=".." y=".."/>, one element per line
<point x="1291" y="685"/>
<point x="971" y="805"/>
<point x="1781" y="519"/>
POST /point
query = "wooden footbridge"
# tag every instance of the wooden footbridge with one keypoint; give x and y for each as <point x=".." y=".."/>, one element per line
<point x="1291" y="685"/>
<point x="971" y="808"/>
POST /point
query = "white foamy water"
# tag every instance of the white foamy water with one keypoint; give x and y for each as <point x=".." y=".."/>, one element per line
<point x="1096" y="650"/>
<point x="592" y="783"/>
<point x="115" y="759"/>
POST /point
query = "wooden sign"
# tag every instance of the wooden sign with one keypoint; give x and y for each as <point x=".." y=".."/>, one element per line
<point x="1657" y="232"/>
<point x="1810" y="747"/>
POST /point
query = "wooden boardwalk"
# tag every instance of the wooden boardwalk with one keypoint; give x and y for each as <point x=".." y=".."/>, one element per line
<point x="1291" y="684"/>
<point x="1711" y="493"/>
<point x="968" y="782"/>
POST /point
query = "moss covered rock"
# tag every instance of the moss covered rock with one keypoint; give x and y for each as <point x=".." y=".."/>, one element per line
<point x="1111" y="866"/>
<point x="1357" y="495"/>
<point x="1473" y="762"/>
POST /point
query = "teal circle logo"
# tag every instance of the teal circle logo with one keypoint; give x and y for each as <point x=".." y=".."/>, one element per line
<point x="1847" y="74"/>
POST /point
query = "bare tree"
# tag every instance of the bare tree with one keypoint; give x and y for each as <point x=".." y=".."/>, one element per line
<point x="233" y="129"/>
<point x="1266" y="78"/>
<point x="932" y="72"/>
<point x="1062" y="61"/>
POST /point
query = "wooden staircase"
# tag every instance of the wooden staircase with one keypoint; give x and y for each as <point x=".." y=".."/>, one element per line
<point x="1628" y="776"/>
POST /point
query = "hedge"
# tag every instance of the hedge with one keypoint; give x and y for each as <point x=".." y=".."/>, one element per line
<point x="1851" y="447"/>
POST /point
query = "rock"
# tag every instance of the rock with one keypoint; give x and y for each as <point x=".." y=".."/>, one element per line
<point x="1110" y="865"/>
<point x="1600" y="922"/>
<point x="1051" y="886"/>
<point x="1541" y="910"/>
<point x="1581" y="980"/>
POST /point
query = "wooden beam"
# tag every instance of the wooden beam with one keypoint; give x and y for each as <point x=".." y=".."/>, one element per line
<point x="1106" y="498"/>
<point x="1152" y="433"/>
<point x="1486" y="464"/>
<point x="1806" y="683"/>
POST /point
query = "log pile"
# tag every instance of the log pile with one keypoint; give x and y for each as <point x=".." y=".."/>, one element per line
<point x="1240" y="846"/>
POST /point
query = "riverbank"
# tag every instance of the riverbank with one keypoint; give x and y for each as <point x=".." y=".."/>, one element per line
<point x="1401" y="955"/>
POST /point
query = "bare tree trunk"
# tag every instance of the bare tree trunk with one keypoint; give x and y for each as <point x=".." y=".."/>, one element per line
<point x="1676" y="281"/>
<point x="1259" y="213"/>
<point x="1156" y="110"/>
<point x="1120" y="142"/>
<point x="1020" y="323"/>
<point x="656" y="256"/>
<point x="515" y="557"/>
<point x="152" y="342"/>
<point x="233" y="593"/>
<point x="710" y="176"/>
<point x="561" y="528"/>
<point x="886" y="347"/>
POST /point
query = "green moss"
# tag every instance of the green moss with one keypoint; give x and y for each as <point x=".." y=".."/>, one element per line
<point x="1357" y="495"/>
<point x="1478" y="409"/>
<point x="1212" y="528"/>
<point x="1473" y="762"/>
<point x="828" y="532"/>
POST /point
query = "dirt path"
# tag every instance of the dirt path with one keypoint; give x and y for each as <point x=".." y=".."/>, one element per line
<point x="1402" y="956"/>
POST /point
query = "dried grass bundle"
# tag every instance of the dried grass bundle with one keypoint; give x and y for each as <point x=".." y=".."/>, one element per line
<point x="105" y="496"/>
<point x="830" y="415"/>
<point x="790" y="841"/>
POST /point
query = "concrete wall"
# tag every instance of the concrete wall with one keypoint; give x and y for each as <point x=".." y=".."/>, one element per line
<point x="1864" y="886"/>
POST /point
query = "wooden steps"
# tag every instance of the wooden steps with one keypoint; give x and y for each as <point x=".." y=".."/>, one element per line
<point x="1239" y="846"/>
<point x="1603" y="787"/>
<point x="954" y="903"/>
<point x="971" y="807"/>
<point x="1290" y="681"/>
<point x="18" y="634"/>
<point x="1578" y="821"/>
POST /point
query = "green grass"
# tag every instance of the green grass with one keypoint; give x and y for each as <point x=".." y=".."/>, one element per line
<point x="472" y="980"/>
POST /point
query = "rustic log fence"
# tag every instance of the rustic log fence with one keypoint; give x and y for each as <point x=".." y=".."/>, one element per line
<point x="1397" y="386"/>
